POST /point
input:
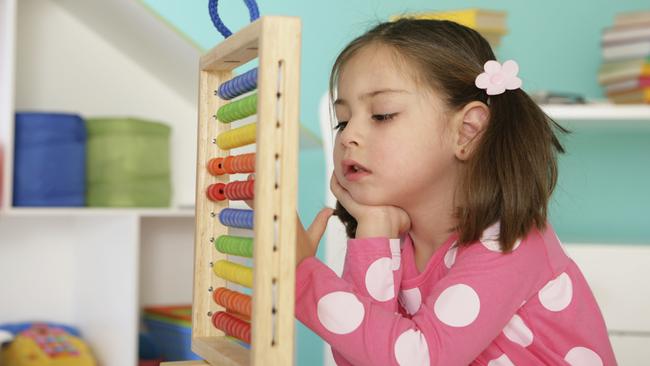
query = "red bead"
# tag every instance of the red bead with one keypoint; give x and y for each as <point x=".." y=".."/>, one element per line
<point x="215" y="192"/>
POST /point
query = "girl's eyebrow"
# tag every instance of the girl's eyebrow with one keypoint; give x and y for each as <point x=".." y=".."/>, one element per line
<point x="371" y="94"/>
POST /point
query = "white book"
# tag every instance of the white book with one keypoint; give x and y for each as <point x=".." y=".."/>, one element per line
<point x="625" y="34"/>
<point x="622" y="86"/>
<point x="629" y="50"/>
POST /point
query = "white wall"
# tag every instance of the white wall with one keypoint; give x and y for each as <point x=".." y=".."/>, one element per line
<point x="166" y="261"/>
<point x="7" y="44"/>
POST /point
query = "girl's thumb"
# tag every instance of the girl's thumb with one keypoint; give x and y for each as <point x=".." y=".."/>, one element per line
<point x="318" y="226"/>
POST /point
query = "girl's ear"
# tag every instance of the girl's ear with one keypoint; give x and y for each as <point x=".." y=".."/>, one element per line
<point x="472" y="121"/>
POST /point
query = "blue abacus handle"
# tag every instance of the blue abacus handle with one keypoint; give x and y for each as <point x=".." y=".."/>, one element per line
<point x="214" y="15"/>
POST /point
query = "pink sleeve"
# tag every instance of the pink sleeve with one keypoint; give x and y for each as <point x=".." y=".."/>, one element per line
<point x="372" y="268"/>
<point x="465" y="311"/>
<point x="360" y="255"/>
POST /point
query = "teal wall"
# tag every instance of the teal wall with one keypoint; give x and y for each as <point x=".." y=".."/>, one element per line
<point x="603" y="191"/>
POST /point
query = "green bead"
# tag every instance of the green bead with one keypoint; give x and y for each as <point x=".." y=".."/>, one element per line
<point x="237" y="110"/>
<point x="235" y="245"/>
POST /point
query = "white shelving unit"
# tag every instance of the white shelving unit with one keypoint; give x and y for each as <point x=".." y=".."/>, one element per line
<point x="600" y="111"/>
<point x="101" y="212"/>
<point x="95" y="268"/>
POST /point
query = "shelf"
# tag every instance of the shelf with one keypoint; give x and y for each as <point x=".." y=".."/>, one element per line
<point x="598" y="112"/>
<point x="96" y="211"/>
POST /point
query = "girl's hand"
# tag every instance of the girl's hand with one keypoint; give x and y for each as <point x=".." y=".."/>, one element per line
<point x="306" y="240"/>
<point x="372" y="221"/>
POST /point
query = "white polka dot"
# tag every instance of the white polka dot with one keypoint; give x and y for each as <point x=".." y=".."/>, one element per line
<point x="518" y="332"/>
<point x="490" y="238"/>
<point x="457" y="306"/>
<point x="411" y="349"/>
<point x="450" y="256"/>
<point x="501" y="361"/>
<point x="581" y="356"/>
<point x="557" y="293"/>
<point x="379" y="279"/>
<point x="396" y="253"/>
<point x="340" y="312"/>
<point x="411" y="300"/>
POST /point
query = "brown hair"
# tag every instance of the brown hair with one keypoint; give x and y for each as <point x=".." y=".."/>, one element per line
<point x="512" y="172"/>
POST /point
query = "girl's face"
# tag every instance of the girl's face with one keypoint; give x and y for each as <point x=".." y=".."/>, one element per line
<point x="392" y="146"/>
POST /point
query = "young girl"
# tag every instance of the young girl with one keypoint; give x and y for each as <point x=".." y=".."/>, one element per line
<point x="443" y="172"/>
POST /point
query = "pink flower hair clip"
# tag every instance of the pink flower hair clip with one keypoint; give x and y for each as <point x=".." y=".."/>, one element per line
<point x="497" y="78"/>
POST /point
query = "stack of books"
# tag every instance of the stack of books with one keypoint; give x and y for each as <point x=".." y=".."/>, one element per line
<point x="625" y="71"/>
<point x="491" y="24"/>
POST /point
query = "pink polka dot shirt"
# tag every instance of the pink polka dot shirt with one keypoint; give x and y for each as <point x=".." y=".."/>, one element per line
<point x="470" y="305"/>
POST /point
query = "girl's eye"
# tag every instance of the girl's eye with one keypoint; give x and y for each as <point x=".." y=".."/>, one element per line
<point x="341" y="125"/>
<point x="384" y="117"/>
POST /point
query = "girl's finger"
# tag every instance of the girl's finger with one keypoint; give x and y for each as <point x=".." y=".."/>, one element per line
<point x="317" y="228"/>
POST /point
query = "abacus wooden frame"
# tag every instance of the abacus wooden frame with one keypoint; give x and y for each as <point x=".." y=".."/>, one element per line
<point x="276" y="42"/>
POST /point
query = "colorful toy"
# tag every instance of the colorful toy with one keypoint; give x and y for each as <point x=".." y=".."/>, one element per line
<point x="169" y="329"/>
<point x="45" y="345"/>
<point x="265" y="320"/>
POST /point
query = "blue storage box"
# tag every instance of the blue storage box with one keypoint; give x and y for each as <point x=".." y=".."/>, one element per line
<point x="50" y="160"/>
<point x="173" y="339"/>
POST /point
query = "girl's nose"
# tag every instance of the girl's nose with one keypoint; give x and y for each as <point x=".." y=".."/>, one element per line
<point x="350" y="136"/>
<point x="350" y="142"/>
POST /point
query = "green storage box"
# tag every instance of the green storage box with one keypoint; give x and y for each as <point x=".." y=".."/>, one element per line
<point x="127" y="163"/>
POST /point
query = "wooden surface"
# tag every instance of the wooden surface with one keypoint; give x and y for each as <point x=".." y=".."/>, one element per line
<point x="235" y="50"/>
<point x="275" y="213"/>
<point x="184" y="363"/>
<point x="207" y="227"/>
<point x="222" y="352"/>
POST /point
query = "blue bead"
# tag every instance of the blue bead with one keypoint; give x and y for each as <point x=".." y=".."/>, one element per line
<point x="236" y="218"/>
<point x="238" y="85"/>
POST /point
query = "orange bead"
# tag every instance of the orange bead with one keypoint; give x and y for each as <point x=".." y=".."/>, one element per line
<point x="233" y="301"/>
<point x="227" y="164"/>
<point x="215" y="166"/>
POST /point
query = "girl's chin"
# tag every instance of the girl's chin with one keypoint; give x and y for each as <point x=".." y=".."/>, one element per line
<point x="367" y="199"/>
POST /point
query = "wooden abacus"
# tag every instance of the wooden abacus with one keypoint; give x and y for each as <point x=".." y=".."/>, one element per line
<point x="275" y="41"/>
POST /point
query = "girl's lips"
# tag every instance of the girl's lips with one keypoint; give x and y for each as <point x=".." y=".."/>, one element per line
<point x="354" y="171"/>
<point x="353" y="176"/>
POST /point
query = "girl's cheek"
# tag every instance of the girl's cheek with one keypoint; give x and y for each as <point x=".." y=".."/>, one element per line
<point x="337" y="165"/>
